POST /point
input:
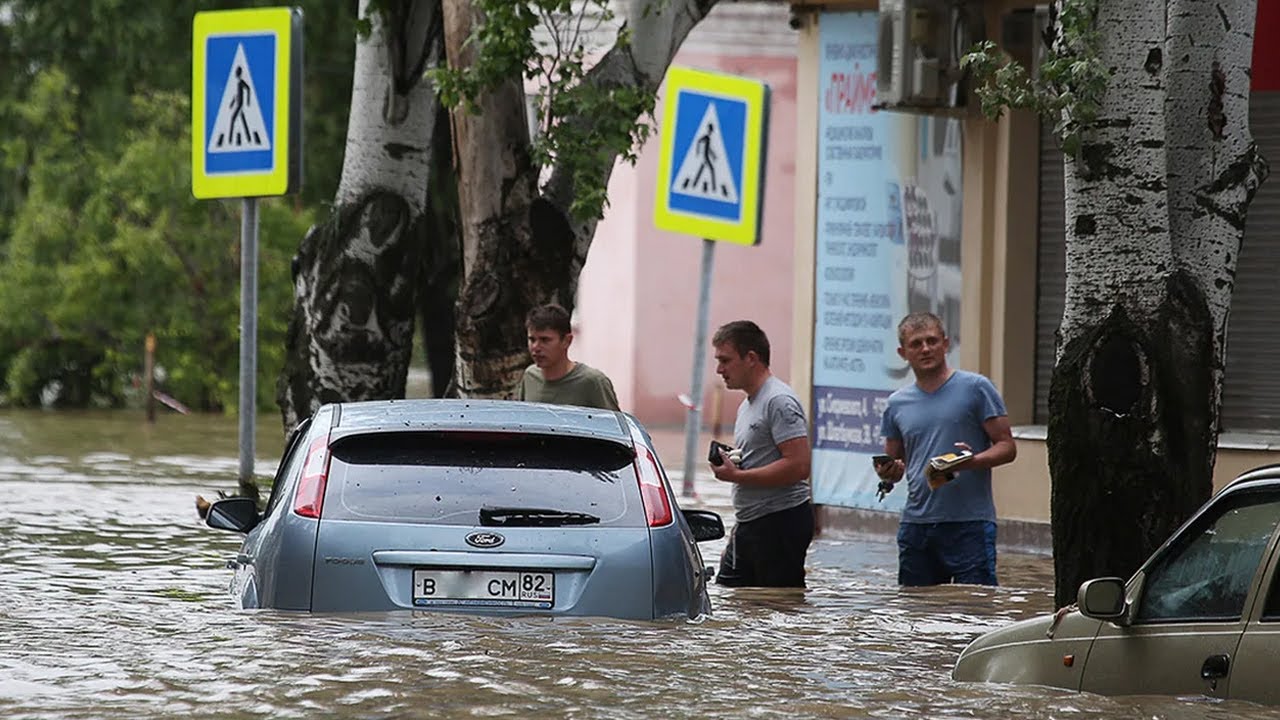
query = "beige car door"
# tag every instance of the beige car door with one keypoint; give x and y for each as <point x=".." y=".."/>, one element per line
<point x="1253" y="676"/>
<point x="1189" y="605"/>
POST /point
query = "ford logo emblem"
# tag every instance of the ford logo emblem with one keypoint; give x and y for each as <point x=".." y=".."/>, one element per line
<point x="485" y="539"/>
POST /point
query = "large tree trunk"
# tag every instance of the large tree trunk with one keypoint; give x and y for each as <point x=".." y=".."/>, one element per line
<point x="356" y="275"/>
<point x="441" y="262"/>
<point x="497" y="183"/>
<point x="1155" y="208"/>
<point x="521" y="247"/>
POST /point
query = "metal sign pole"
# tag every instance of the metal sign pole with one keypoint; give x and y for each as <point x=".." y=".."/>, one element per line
<point x="248" y="340"/>
<point x="693" y="424"/>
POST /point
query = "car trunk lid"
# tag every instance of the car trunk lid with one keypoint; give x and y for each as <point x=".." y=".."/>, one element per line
<point x="483" y="521"/>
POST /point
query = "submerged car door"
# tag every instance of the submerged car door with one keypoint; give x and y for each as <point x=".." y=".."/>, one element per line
<point x="1253" y="672"/>
<point x="260" y="577"/>
<point x="1189" y="606"/>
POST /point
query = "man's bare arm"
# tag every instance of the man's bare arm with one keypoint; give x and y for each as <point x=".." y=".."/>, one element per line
<point x="1003" y="449"/>
<point x="893" y="470"/>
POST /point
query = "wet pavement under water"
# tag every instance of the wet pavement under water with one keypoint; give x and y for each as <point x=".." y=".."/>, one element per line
<point x="115" y="605"/>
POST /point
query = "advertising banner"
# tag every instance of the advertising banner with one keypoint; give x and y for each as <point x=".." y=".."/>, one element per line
<point x="888" y="243"/>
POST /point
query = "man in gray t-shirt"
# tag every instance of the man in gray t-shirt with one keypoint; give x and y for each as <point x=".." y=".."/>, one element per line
<point x="771" y="496"/>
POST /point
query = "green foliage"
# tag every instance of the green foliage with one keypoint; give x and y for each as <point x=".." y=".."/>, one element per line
<point x="100" y="239"/>
<point x="611" y="132"/>
<point x="1070" y="83"/>
<point x="582" y="127"/>
<point x="111" y="50"/>
<point x="109" y="245"/>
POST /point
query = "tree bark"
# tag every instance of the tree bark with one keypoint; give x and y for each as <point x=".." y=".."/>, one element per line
<point x="522" y="246"/>
<point x="1135" y="395"/>
<point x="441" y="263"/>
<point x="497" y="184"/>
<point x="355" y="276"/>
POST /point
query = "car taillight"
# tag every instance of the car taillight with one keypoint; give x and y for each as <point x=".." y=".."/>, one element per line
<point x="315" y="474"/>
<point x="657" y="507"/>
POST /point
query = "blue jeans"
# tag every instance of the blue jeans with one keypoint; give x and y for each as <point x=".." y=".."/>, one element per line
<point x="948" y="552"/>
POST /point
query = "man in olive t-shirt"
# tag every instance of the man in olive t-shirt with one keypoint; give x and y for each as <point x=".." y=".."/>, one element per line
<point x="553" y="377"/>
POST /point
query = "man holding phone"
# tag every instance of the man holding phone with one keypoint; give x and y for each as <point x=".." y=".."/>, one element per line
<point x="770" y="473"/>
<point x="944" y="433"/>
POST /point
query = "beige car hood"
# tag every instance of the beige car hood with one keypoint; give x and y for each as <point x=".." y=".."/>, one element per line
<point x="1024" y="653"/>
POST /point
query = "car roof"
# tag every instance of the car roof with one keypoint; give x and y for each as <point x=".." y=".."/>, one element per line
<point x="1264" y="472"/>
<point x="480" y="415"/>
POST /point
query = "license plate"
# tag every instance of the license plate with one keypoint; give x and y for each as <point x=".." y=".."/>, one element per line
<point x="507" y="588"/>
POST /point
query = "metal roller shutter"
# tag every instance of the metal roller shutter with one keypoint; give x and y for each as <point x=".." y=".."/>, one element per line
<point x="1251" y="393"/>
<point x="1051" y="267"/>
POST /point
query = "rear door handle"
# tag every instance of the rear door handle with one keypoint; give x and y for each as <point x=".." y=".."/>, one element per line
<point x="1215" y="667"/>
<point x="240" y="559"/>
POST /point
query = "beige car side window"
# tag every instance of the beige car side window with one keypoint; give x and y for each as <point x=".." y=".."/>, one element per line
<point x="1207" y="573"/>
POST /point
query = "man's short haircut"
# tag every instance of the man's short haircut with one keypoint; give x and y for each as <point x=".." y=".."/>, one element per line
<point x="918" y="320"/>
<point x="548" y="317"/>
<point x="745" y="336"/>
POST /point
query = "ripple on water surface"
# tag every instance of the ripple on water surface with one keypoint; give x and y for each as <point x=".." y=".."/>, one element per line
<point x="116" y="606"/>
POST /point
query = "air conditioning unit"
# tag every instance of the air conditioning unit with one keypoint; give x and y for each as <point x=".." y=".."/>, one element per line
<point x="1024" y="36"/>
<point x="920" y="43"/>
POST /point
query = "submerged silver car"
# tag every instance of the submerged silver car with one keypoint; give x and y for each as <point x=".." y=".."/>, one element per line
<point x="476" y="506"/>
<point x="1201" y="616"/>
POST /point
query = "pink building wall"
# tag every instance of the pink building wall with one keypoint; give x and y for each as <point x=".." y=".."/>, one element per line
<point x="638" y="293"/>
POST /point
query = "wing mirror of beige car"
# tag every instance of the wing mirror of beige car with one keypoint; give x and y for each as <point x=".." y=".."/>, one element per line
<point x="1102" y="598"/>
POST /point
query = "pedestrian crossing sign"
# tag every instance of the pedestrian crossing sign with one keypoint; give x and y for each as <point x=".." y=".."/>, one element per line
<point x="711" y="163"/>
<point x="246" y="108"/>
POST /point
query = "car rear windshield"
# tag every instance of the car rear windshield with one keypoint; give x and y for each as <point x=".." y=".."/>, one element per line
<point x="448" y="477"/>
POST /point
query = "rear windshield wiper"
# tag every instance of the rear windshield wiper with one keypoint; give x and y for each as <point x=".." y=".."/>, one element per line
<point x="533" y="517"/>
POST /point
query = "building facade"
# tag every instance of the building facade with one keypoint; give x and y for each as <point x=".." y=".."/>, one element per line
<point x="638" y="293"/>
<point x="976" y="209"/>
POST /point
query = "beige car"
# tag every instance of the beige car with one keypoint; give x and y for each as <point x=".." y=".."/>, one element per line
<point x="1202" y="615"/>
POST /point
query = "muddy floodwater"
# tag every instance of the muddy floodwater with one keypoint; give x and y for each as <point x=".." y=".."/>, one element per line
<point x="114" y="604"/>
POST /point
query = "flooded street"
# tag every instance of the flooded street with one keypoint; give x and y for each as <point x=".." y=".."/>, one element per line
<point x="115" y="604"/>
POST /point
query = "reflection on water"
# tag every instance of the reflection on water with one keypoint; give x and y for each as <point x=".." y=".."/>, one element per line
<point x="115" y="605"/>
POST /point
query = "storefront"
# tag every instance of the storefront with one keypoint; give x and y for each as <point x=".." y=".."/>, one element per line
<point x="949" y="212"/>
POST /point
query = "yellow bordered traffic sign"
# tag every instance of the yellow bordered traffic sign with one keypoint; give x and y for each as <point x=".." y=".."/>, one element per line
<point x="246" y="103"/>
<point x="713" y="138"/>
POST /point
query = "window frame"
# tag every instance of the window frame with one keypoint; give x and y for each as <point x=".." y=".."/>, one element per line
<point x="1193" y="532"/>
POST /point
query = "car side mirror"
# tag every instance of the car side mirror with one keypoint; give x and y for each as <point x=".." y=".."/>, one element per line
<point x="704" y="524"/>
<point x="1102" y="598"/>
<point x="238" y="514"/>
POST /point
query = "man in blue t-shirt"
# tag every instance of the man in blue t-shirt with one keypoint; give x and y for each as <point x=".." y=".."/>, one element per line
<point x="948" y="529"/>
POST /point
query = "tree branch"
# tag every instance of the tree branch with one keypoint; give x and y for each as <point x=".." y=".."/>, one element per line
<point x="657" y="30"/>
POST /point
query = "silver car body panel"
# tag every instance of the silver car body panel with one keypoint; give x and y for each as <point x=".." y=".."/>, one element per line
<point x="487" y="415"/>
<point x="299" y="563"/>
<point x="598" y="571"/>
<point x="676" y="590"/>
<point x="276" y="563"/>
<point x="274" y="566"/>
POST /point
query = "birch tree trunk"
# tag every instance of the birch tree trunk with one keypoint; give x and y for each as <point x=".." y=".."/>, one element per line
<point x="351" y="333"/>
<point x="1155" y="209"/>
<point x="521" y="245"/>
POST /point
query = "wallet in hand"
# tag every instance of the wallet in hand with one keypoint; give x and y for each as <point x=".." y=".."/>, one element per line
<point x="713" y="453"/>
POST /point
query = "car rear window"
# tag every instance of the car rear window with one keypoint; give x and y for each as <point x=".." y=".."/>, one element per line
<point x="446" y="478"/>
